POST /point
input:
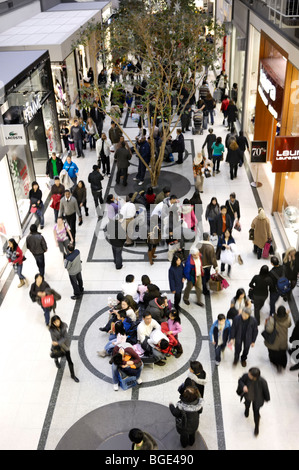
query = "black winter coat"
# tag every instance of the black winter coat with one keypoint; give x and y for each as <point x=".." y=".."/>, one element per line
<point x="251" y="332"/>
<point x="261" y="390"/>
<point x="191" y="411"/>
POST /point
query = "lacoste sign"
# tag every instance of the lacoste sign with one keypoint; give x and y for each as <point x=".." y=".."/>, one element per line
<point x="286" y="155"/>
<point x="13" y="134"/>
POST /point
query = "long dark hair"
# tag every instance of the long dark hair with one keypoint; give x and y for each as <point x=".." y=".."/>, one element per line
<point x="53" y="319"/>
<point x="14" y="244"/>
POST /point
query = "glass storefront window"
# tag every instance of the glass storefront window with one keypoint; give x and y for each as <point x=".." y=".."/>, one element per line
<point x="22" y="177"/>
<point x="255" y="37"/>
<point x="237" y="65"/>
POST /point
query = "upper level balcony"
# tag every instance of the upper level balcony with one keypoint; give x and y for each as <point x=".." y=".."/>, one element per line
<point x="283" y="14"/>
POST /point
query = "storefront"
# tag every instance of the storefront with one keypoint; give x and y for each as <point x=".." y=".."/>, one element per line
<point x="57" y="31"/>
<point x="30" y="123"/>
<point x="239" y="33"/>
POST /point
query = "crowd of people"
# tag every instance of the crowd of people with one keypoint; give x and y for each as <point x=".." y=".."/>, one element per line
<point x="144" y="323"/>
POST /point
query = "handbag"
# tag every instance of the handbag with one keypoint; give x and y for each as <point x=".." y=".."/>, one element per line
<point x="48" y="301"/>
<point x="207" y="173"/>
<point x="270" y="337"/>
<point x="56" y="352"/>
<point x="251" y="234"/>
<point x="266" y="250"/>
<point x="215" y="283"/>
<point x="33" y="209"/>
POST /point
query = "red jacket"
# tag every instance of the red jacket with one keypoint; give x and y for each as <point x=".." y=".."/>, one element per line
<point x="19" y="258"/>
<point x="55" y="201"/>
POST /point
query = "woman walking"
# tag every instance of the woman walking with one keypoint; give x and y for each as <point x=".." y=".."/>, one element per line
<point x="63" y="235"/>
<point x="176" y="279"/>
<point x="79" y="193"/>
<point x="198" y="171"/>
<point x="15" y="256"/>
<point x="186" y="413"/>
<point x="212" y="210"/>
<point x="227" y="255"/>
<point x="36" y="203"/>
<point x="234" y="158"/>
<point x="277" y="350"/>
<point x="61" y="344"/>
<point x="91" y="131"/>
<point x="259" y="286"/>
<point x="262" y="232"/>
<point x="218" y="150"/>
<point x="41" y="289"/>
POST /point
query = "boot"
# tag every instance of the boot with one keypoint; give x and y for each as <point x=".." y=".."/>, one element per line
<point x="71" y="367"/>
<point x="153" y="252"/>
<point x="22" y="283"/>
<point x="150" y="256"/>
<point x="256" y="429"/>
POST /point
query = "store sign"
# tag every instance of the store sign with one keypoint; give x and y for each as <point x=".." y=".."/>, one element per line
<point x="31" y="108"/>
<point x="286" y="155"/>
<point x="13" y="134"/>
<point x="259" y="151"/>
<point x="270" y="92"/>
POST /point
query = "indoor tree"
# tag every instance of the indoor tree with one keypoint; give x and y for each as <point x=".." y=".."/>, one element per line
<point x="169" y="39"/>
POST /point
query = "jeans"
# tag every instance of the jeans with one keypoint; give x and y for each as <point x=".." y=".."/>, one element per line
<point x="211" y="113"/>
<point x="46" y="315"/>
<point x="79" y="147"/>
<point x="274" y="296"/>
<point x="141" y="171"/>
<point x="77" y="283"/>
<point x="218" y="350"/>
<point x="19" y="268"/>
<point x="127" y="371"/>
<point x="97" y="197"/>
<point x="233" y="171"/>
<point x="40" y="215"/>
<point x="216" y="162"/>
<point x="92" y="142"/>
<point x="106" y="164"/>
<point x="40" y="261"/>
<point x="122" y="172"/>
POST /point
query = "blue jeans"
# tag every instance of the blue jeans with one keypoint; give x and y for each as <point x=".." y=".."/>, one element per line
<point x="18" y="270"/>
<point x="127" y="371"/>
<point x="46" y="315"/>
<point x="211" y="113"/>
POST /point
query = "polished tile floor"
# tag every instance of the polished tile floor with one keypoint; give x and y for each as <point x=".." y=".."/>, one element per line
<point x="39" y="404"/>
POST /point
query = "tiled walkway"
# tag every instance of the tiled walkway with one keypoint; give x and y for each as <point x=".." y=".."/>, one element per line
<point x="39" y="404"/>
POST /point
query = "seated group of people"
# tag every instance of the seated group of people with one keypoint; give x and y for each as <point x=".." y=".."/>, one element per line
<point x="143" y="328"/>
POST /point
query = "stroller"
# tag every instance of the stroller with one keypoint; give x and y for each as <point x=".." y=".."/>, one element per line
<point x="198" y="122"/>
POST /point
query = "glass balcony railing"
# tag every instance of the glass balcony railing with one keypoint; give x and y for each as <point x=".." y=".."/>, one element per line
<point x="283" y="14"/>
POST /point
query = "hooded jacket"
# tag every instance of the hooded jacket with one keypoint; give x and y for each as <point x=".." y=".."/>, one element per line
<point x="191" y="412"/>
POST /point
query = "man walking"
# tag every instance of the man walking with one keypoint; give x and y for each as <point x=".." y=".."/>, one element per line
<point x="116" y="236"/>
<point x="53" y="167"/>
<point x="77" y="134"/>
<point x="254" y="389"/>
<point x="68" y="209"/>
<point x="97" y="116"/>
<point x="193" y="272"/>
<point x="95" y="179"/>
<point x="73" y="265"/>
<point x="72" y="169"/>
<point x="38" y="247"/>
<point x="114" y="135"/>
<point x="122" y="157"/>
<point x="208" y="254"/>
<point x="243" y="333"/>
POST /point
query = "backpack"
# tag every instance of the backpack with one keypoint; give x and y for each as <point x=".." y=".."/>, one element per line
<point x="283" y="285"/>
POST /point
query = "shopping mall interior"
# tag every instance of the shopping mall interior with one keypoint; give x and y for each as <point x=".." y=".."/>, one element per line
<point x="43" y="70"/>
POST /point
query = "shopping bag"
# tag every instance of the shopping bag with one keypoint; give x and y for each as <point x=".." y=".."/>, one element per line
<point x="224" y="284"/>
<point x="266" y="250"/>
<point x="215" y="282"/>
<point x="48" y="301"/>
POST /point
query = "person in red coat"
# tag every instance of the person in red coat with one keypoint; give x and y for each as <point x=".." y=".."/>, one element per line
<point x="15" y="256"/>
